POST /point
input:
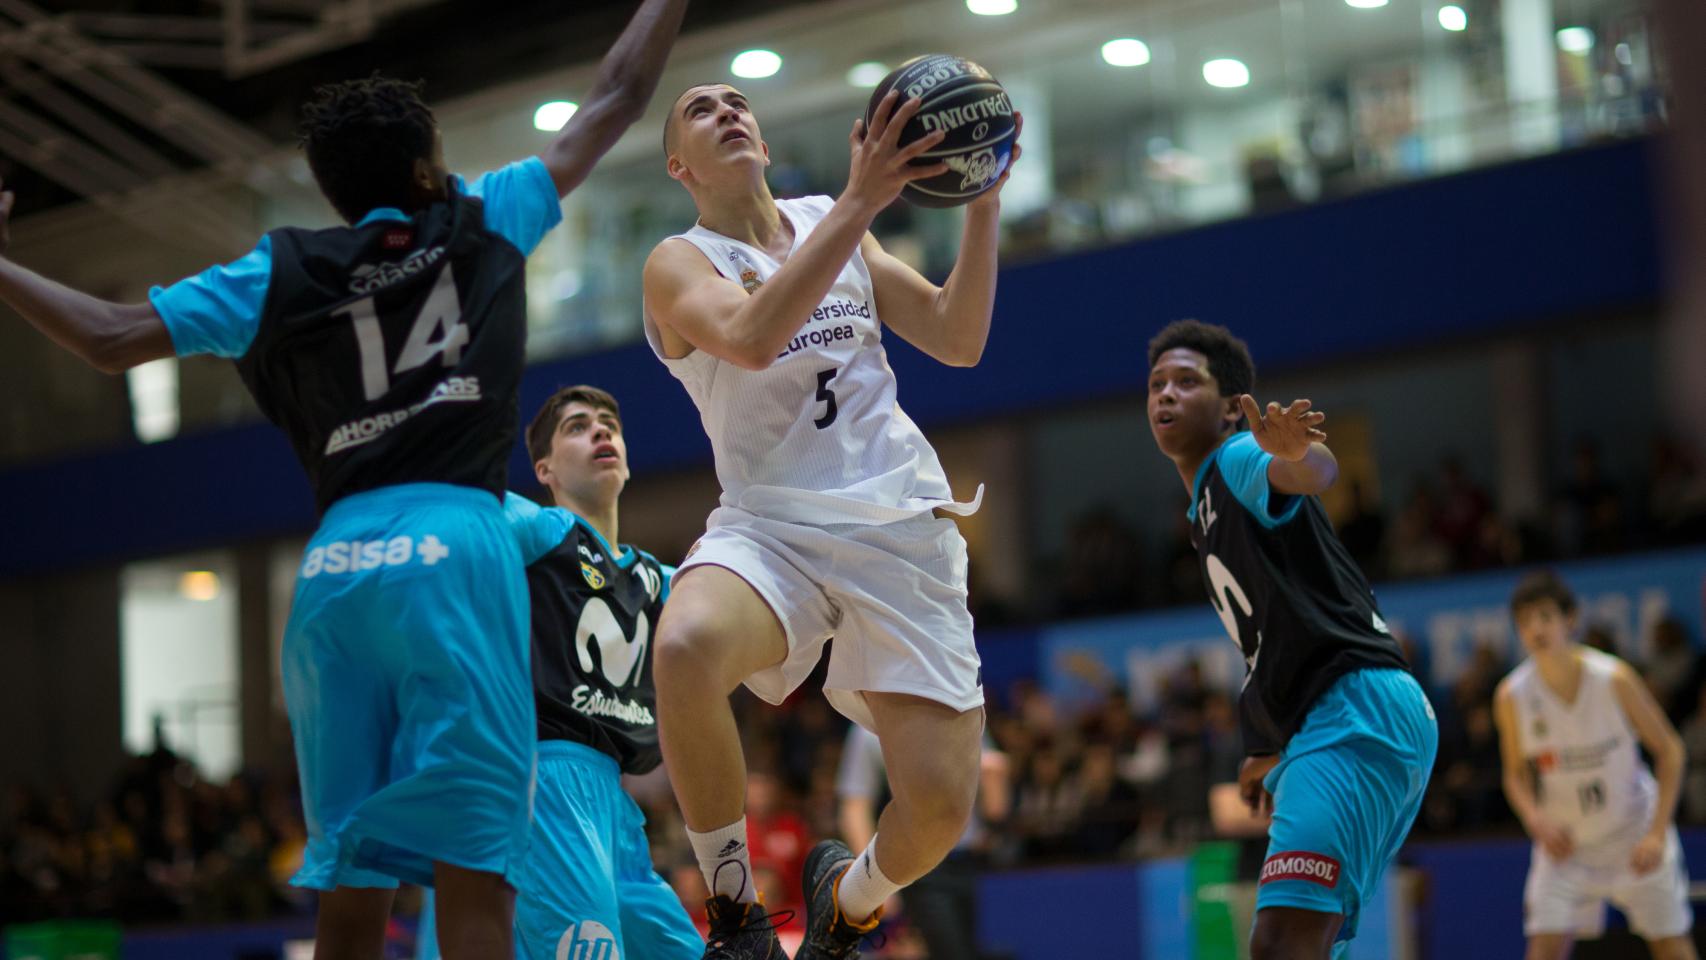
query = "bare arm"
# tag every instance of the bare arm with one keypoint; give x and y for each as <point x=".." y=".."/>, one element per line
<point x="714" y="314"/>
<point x="626" y="80"/>
<point x="1518" y="790"/>
<point x="111" y="337"/>
<point x="950" y="322"/>
<point x="1302" y="464"/>
<point x="1660" y="739"/>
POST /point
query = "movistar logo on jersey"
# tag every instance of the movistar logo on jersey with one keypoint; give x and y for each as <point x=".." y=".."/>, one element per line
<point x="376" y="276"/>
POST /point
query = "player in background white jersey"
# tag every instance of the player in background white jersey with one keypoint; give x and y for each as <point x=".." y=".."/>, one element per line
<point x="1571" y="721"/>
<point x="769" y="315"/>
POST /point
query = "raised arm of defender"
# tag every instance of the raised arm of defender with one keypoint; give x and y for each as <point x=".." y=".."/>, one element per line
<point x="690" y="299"/>
<point x="111" y="337"/>
<point x="626" y="80"/>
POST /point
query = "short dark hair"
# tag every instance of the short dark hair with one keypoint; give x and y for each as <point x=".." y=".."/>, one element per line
<point x="362" y="138"/>
<point x="545" y="421"/>
<point x="1539" y="587"/>
<point x="1228" y="358"/>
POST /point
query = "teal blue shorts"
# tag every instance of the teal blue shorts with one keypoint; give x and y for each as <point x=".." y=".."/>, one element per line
<point x="589" y="890"/>
<point x="1346" y="790"/>
<point x="407" y="675"/>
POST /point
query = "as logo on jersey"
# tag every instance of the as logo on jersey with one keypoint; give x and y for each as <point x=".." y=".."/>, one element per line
<point x="594" y="579"/>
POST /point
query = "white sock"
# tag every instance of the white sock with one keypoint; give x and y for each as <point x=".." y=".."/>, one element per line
<point x="726" y="861"/>
<point x="864" y="887"/>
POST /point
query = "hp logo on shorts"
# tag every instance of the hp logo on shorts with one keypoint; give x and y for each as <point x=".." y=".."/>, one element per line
<point x="588" y="940"/>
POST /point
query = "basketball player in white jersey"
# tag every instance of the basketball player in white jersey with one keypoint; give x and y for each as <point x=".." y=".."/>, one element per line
<point x="1571" y="724"/>
<point x="771" y="313"/>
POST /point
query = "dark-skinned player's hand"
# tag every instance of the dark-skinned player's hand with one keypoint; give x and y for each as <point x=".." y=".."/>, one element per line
<point x="1286" y="432"/>
<point x="1250" y="774"/>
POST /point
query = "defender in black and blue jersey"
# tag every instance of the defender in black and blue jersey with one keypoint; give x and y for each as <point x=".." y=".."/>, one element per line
<point x="1340" y="737"/>
<point x="588" y="888"/>
<point x="389" y="352"/>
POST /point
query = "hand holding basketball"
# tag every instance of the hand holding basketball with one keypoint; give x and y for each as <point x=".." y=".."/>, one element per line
<point x="992" y="196"/>
<point x="1286" y="432"/>
<point x="881" y="167"/>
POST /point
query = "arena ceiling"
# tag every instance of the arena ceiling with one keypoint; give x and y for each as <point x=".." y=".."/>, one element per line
<point x="99" y="98"/>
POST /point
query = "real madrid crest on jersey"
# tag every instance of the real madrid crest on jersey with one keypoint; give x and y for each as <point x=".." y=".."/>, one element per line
<point x="594" y="578"/>
<point x="747" y="269"/>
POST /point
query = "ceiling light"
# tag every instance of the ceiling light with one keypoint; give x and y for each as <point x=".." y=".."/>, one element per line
<point x="1365" y="4"/>
<point x="202" y="585"/>
<point x="1125" y="52"/>
<point x="867" y="74"/>
<point x="755" y="64"/>
<point x="551" y="117"/>
<point x="1453" y="17"/>
<point x="1576" y="40"/>
<point x="1226" y="73"/>
<point x="992" y="8"/>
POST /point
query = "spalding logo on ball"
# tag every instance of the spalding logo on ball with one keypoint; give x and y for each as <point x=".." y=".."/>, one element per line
<point x="962" y="99"/>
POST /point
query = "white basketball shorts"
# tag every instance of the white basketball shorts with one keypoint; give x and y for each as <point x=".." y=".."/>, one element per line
<point x="893" y="597"/>
<point x="1569" y="896"/>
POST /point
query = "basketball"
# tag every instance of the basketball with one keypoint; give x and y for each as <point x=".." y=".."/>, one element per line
<point x="964" y="100"/>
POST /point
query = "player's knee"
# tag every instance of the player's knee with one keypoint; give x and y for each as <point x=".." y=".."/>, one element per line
<point x="939" y="801"/>
<point x="692" y="650"/>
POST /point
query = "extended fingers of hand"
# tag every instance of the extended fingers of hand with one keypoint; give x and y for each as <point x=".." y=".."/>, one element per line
<point x="924" y="173"/>
<point x="922" y="144"/>
<point x="1252" y="412"/>
<point x="897" y="123"/>
<point x="880" y="117"/>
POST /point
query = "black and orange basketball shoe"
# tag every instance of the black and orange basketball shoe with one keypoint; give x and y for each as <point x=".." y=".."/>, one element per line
<point x="829" y="935"/>
<point x="743" y="931"/>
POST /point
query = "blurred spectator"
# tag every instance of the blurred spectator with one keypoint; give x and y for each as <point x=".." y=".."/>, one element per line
<point x="1589" y="511"/>
<point x="1415" y="549"/>
<point x="1673" y="668"/>
<point x="1463" y="507"/>
<point x="1102" y="570"/>
<point x="1676" y="495"/>
<point x="1362" y="533"/>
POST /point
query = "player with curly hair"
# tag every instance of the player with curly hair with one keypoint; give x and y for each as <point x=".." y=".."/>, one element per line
<point x="390" y="352"/>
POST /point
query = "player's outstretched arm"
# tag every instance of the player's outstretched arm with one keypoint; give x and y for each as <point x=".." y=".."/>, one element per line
<point x="1665" y="745"/>
<point x="1302" y="464"/>
<point x="950" y="322"/>
<point x="1519" y="792"/>
<point x="626" y="80"/>
<point x="111" y="337"/>
<point x="714" y="314"/>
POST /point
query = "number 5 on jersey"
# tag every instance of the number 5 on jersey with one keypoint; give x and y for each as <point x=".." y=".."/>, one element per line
<point x="826" y="396"/>
<point x="441" y="315"/>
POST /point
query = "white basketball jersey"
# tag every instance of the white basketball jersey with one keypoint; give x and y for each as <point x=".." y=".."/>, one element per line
<point x="1587" y="756"/>
<point x="817" y="437"/>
